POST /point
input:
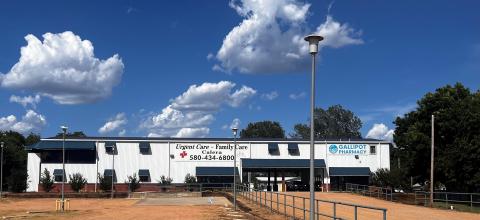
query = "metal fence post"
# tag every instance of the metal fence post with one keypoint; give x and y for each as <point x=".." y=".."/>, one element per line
<point x="384" y="214"/>
<point x="335" y="210"/>
<point x="304" y="209"/>
<point x="318" y="210"/>
<point x="293" y="206"/>
<point x="471" y="202"/>
<point x="285" y="204"/>
<point x="446" y="200"/>
<point x="271" y="201"/>
<point x="278" y="209"/>
<point x="356" y="217"/>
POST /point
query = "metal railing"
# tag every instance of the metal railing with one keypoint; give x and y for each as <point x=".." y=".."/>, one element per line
<point x="372" y="191"/>
<point x="296" y="207"/>
<point x="450" y="200"/>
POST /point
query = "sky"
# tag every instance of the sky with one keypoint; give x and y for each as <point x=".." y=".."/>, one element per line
<point x="197" y="68"/>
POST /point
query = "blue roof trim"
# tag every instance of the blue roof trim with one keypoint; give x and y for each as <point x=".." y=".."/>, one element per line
<point x="349" y="171"/>
<point x="58" y="145"/>
<point x="281" y="163"/>
<point x="215" y="171"/>
<point x="219" y="139"/>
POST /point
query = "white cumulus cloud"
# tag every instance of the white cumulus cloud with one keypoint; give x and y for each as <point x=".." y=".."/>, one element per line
<point x="114" y="124"/>
<point x="270" y="96"/>
<point x="26" y="100"/>
<point x="297" y="96"/>
<point x="64" y="68"/>
<point x="30" y="122"/>
<point x="190" y="113"/>
<point x="270" y="37"/>
<point x="381" y="132"/>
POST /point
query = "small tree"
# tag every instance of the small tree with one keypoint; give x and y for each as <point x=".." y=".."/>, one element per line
<point x="105" y="182"/>
<point x="133" y="182"/>
<point x="165" y="180"/>
<point x="190" y="178"/>
<point x="46" y="180"/>
<point x="77" y="181"/>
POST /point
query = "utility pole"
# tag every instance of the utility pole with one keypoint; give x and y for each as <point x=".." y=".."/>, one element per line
<point x="234" y="130"/>
<point x="64" y="129"/>
<point x="432" y="168"/>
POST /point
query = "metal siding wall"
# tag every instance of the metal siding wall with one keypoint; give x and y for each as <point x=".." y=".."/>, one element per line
<point x="129" y="161"/>
<point x="33" y="168"/>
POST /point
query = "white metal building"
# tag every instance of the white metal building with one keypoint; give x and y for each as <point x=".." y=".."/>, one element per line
<point x="209" y="159"/>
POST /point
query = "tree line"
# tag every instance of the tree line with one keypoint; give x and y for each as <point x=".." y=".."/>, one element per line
<point x="457" y="141"/>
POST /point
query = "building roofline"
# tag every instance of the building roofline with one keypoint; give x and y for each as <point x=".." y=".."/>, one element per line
<point x="241" y="140"/>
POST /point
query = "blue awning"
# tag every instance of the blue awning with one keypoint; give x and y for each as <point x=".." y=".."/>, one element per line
<point x="57" y="145"/>
<point x="349" y="171"/>
<point x="272" y="146"/>
<point x="109" y="172"/>
<point x="110" y="144"/>
<point x="281" y="163"/>
<point x="215" y="171"/>
<point x="143" y="172"/>
<point x="144" y="145"/>
<point x="57" y="172"/>
<point x="292" y="146"/>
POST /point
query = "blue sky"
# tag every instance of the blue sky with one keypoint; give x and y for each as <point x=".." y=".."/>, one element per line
<point x="190" y="68"/>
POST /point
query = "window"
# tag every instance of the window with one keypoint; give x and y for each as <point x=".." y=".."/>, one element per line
<point x="273" y="149"/>
<point x="144" y="175"/>
<point x="293" y="149"/>
<point x="145" y="148"/>
<point x="71" y="156"/>
<point x="58" y="175"/>
<point x="108" y="174"/>
<point x="110" y="147"/>
<point x="373" y="149"/>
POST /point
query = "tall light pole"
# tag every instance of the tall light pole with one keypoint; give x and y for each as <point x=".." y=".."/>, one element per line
<point x="234" y="130"/>
<point x="431" y="161"/>
<point x="1" y="170"/>
<point x="64" y="129"/>
<point x="313" y="49"/>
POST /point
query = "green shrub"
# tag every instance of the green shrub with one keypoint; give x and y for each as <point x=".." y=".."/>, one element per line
<point x="190" y="178"/>
<point x="46" y="180"/>
<point x="165" y="180"/>
<point x="133" y="182"/>
<point x="105" y="182"/>
<point x="77" y="181"/>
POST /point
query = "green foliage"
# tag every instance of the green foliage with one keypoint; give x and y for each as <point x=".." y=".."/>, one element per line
<point x="46" y="180"/>
<point x="77" y="181"/>
<point x="389" y="178"/>
<point x="165" y="180"/>
<point x="263" y="129"/>
<point x="105" y="183"/>
<point x="190" y="178"/>
<point x="14" y="161"/>
<point x="32" y="139"/>
<point x="335" y="122"/>
<point x="457" y="139"/>
<point x="133" y="182"/>
<point x="75" y="134"/>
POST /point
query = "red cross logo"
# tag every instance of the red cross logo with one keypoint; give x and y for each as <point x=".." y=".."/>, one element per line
<point x="183" y="154"/>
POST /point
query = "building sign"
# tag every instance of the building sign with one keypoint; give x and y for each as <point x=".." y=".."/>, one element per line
<point x="208" y="152"/>
<point x="348" y="149"/>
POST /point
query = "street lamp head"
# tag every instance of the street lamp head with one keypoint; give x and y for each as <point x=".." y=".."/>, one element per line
<point x="234" y="130"/>
<point x="64" y="129"/>
<point x="313" y="42"/>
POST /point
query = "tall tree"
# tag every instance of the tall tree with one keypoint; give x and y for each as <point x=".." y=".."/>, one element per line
<point x="335" y="122"/>
<point x="457" y="139"/>
<point x="75" y="134"/>
<point x="263" y="129"/>
<point x="14" y="161"/>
